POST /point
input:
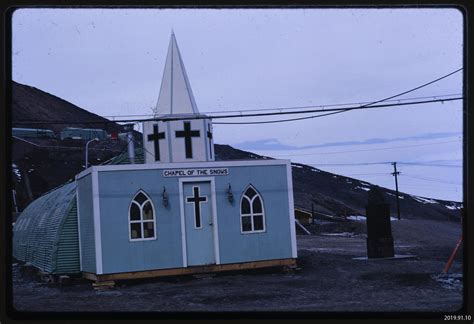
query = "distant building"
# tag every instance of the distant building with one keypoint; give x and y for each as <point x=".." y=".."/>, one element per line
<point x="180" y="211"/>
<point x="82" y="133"/>
<point x="32" y="133"/>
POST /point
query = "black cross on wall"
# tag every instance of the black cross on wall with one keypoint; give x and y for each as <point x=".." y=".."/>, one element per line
<point x="209" y="135"/>
<point x="155" y="137"/>
<point x="188" y="134"/>
<point x="197" y="200"/>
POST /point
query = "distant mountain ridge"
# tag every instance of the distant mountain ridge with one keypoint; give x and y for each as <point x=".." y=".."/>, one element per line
<point x="47" y="166"/>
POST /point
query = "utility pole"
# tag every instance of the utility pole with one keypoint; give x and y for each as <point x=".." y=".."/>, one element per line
<point x="396" y="173"/>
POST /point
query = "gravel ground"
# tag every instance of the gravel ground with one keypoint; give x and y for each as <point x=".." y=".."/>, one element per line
<point x="329" y="279"/>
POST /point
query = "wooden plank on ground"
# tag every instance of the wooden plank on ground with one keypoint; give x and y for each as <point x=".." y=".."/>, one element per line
<point x="190" y="270"/>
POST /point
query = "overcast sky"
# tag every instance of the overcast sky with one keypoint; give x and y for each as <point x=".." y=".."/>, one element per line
<point x="110" y="62"/>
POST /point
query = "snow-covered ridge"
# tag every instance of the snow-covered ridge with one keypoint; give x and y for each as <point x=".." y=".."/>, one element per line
<point x="424" y="200"/>
<point x="391" y="194"/>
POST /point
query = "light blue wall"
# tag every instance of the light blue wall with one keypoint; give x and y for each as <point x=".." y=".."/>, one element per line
<point x="117" y="188"/>
<point x="275" y="242"/>
<point x="86" y="224"/>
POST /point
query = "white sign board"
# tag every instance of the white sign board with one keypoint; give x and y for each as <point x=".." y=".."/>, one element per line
<point x="195" y="172"/>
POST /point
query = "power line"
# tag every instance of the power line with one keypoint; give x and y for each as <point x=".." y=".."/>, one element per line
<point x="431" y="165"/>
<point x="349" y="164"/>
<point x="296" y="107"/>
<point x="193" y="117"/>
<point x="64" y="147"/>
<point x="365" y="150"/>
<point x="374" y="163"/>
<point x="431" y="187"/>
<point x="363" y="106"/>
<point x="335" y="111"/>
<point x="431" y="179"/>
<point x="366" y="174"/>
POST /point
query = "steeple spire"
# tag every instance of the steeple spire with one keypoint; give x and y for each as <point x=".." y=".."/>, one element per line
<point x="176" y="96"/>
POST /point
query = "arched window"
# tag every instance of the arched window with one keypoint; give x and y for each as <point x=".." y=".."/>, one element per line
<point x="252" y="214"/>
<point x="141" y="217"/>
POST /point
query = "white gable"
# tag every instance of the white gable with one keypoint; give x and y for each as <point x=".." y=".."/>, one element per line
<point x="176" y="96"/>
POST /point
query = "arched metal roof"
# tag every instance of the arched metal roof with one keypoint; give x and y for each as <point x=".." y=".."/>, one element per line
<point x="45" y="234"/>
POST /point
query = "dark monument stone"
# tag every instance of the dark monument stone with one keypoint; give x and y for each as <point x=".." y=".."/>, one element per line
<point x="379" y="230"/>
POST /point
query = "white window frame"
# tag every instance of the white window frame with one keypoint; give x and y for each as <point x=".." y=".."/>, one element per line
<point x="141" y="221"/>
<point x="252" y="214"/>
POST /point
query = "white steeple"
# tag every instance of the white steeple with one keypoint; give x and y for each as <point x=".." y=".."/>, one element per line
<point x="186" y="139"/>
<point x="176" y="96"/>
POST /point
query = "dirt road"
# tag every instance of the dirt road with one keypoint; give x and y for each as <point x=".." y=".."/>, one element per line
<point x="329" y="280"/>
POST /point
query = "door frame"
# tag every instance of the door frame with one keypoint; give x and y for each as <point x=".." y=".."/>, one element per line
<point x="215" y="230"/>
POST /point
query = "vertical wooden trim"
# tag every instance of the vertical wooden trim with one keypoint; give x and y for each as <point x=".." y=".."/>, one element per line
<point x="206" y="144"/>
<point x="183" y="226"/>
<point x="215" y="225"/>
<point x="78" y="224"/>
<point x="291" y="210"/>
<point x="170" y="149"/>
<point x="97" y="231"/>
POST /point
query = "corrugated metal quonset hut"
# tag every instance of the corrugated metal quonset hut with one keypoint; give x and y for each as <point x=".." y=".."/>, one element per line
<point x="32" y="132"/>
<point x="46" y="235"/>
<point x="83" y="133"/>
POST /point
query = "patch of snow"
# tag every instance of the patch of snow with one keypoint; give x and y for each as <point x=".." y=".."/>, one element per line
<point x="17" y="172"/>
<point x="362" y="188"/>
<point x="334" y="176"/>
<point x="453" y="207"/>
<point x="365" y="183"/>
<point x="343" y="234"/>
<point x="424" y="200"/>
<point x="326" y="249"/>
<point x="450" y="281"/>
<point x="296" y="166"/>
<point x="348" y="181"/>
<point x="391" y="194"/>
<point x="315" y="170"/>
<point x="357" y="218"/>
<point x="361" y="218"/>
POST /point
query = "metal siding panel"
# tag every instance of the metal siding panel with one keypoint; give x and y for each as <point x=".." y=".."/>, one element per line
<point x="87" y="224"/>
<point x="67" y="261"/>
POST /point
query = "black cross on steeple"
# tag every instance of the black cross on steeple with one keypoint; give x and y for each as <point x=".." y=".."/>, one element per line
<point x="209" y="135"/>
<point x="155" y="137"/>
<point x="197" y="200"/>
<point x="188" y="134"/>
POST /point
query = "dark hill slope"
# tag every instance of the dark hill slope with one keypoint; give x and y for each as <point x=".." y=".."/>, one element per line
<point x="32" y="104"/>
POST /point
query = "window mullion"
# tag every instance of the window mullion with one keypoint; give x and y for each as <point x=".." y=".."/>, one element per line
<point x="251" y="212"/>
